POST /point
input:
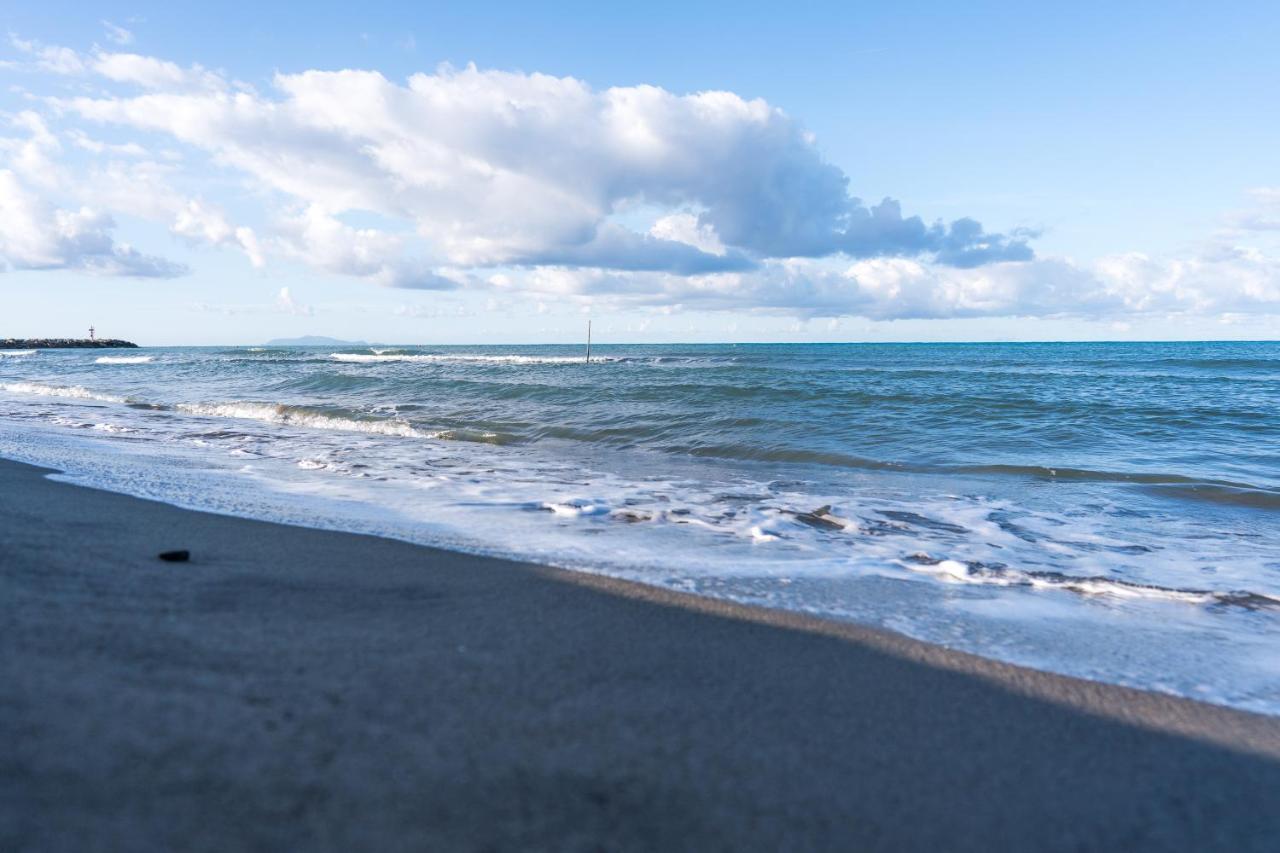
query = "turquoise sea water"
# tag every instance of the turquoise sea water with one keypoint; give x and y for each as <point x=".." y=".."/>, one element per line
<point x="1105" y="510"/>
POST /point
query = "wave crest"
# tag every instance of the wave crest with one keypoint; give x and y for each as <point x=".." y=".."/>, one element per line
<point x="75" y="392"/>
<point x="279" y="413"/>
<point x="388" y="356"/>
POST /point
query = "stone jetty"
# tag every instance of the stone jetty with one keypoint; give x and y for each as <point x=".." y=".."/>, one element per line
<point x="65" y="343"/>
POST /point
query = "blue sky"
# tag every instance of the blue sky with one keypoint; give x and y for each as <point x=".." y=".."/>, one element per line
<point x="1122" y="162"/>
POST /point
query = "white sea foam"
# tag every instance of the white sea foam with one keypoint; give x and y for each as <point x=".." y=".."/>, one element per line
<point x="955" y="571"/>
<point x="377" y="357"/>
<point x="123" y="359"/>
<point x="17" y="353"/>
<point x="116" y="428"/>
<point x="76" y="392"/>
<point x="1098" y="579"/>
<point x="576" y="508"/>
<point x="277" y="413"/>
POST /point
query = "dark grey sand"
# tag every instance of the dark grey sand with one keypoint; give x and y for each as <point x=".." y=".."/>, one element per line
<point x="296" y="689"/>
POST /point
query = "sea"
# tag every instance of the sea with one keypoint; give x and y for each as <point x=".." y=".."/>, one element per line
<point x="1103" y="510"/>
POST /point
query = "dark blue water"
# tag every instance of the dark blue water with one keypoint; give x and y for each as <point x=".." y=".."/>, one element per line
<point x="1109" y="510"/>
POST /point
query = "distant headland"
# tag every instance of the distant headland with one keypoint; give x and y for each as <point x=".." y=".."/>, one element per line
<point x="314" y="341"/>
<point x="65" y="343"/>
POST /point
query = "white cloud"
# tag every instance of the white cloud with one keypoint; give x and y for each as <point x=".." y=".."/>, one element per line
<point x="901" y="288"/>
<point x="151" y="73"/>
<point x="325" y="242"/>
<point x="147" y="72"/>
<point x="94" y="146"/>
<point x="527" y="184"/>
<point x="286" y="304"/>
<point x="432" y="312"/>
<point x="33" y="156"/>
<point x="1263" y="216"/>
<point x="50" y="58"/>
<point x="496" y="168"/>
<point x="117" y="34"/>
<point x="684" y="227"/>
<point x="36" y="235"/>
<point x="199" y="221"/>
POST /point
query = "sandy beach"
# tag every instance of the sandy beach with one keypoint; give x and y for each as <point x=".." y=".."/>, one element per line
<point x="291" y="688"/>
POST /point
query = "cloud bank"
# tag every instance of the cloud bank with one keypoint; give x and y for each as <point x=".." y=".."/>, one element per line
<point x="36" y="235"/>
<point x="528" y="183"/>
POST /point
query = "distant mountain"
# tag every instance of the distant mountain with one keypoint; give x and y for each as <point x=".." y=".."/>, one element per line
<point x="314" y="341"/>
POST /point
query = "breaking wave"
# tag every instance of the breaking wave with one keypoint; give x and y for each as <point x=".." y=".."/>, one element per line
<point x="377" y="357"/>
<point x="76" y="392"/>
<point x="302" y="416"/>
<point x="337" y="419"/>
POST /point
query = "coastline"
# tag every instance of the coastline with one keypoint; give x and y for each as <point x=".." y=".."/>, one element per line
<point x="298" y="687"/>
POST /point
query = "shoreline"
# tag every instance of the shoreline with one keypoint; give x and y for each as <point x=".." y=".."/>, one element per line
<point x="296" y="686"/>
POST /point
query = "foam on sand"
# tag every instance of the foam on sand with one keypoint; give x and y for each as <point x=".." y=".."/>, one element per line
<point x="974" y="572"/>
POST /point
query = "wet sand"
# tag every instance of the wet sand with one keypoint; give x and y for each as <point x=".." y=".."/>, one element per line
<point x="299" y="689"/>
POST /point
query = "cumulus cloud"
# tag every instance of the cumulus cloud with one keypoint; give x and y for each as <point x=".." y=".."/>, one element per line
<point x="286" y="304"/>
<point x="1263" y="215"/>
<point x="36" y="235"/>
<point x="33" y="156"/>
<point x="147" y="72"/>
<point x="528" y="184"/>
<point x="497" y="168"/>
<point x="325" y="242"/>
<point x="40" y="233"/>
<point x="48" y="57"/>
<point x="200" y="222"/>
<point x="1225" y="281"/>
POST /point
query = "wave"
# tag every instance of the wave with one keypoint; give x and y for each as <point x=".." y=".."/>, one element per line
<point x="995" y="574"/>
<point x="1088" y="475"/>
<point x="379" y="357"/>
<point x="257" y="352"/>
<point x="279" y="413"/>
<point x="337" y="419"/>
<point x="124" y="359"/>
<point x="1218" y="493"/>
<point x="76" y="392"/>
<point x="1246" y="363"/>
<point x="1171" y="485"/>
<point x="17" y="353"/>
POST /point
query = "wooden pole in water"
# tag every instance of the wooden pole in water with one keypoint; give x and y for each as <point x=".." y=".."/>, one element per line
<point x="588" y="342"/>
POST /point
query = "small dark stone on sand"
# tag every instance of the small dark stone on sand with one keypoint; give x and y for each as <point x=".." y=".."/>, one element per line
<point x="175" y="556"/>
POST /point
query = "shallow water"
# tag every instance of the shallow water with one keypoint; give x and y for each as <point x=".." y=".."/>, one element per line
<point x="1104" y="510"/>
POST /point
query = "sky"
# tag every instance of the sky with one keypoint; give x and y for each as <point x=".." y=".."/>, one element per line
<point x="501" y="173"/>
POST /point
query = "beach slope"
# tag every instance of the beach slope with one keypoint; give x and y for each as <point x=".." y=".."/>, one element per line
<point x="298" y="689"/>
